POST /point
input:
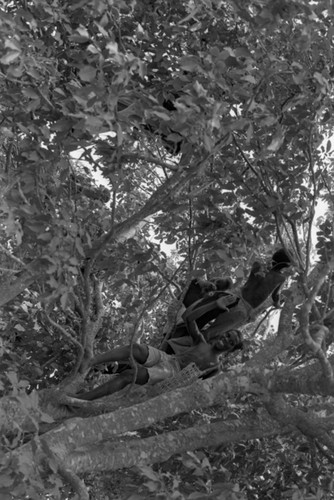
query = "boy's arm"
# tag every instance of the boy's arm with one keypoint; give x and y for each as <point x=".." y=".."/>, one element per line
<point x="194" y="332"/>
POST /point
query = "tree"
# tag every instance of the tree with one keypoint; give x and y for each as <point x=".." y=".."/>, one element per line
<point x="210" y="126"/>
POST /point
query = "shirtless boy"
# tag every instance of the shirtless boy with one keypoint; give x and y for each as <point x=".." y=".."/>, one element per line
<point x="154" y="365"/>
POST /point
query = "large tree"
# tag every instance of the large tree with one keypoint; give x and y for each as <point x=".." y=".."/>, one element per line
<point x="126" y="126"/>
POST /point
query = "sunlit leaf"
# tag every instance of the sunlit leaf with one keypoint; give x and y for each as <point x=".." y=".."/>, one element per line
<point x="87" y="73"/>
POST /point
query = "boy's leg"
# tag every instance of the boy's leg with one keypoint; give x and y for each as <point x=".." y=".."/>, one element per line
<point x="117" y="383"/>
<point x="139" y="351"/>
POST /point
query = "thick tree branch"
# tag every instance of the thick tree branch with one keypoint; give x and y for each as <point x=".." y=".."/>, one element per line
<point x="284" y="335"/>
<point x="308" y="423"/>
<point x="114" y="455"/>
<point x="199" y="395"/>
<point x="315" y="341"/>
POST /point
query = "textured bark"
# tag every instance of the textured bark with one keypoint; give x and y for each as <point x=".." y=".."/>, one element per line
<point x="150" y="410"/>
<point x="309" y="423"/>
<point x="202" y="394"/>
<point x="98" y="443"/>
<point x="117" y="455"/>
<point x="306" y="380"/>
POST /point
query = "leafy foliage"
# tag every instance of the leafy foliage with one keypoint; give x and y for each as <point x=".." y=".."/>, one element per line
<point x="144" y="143"/>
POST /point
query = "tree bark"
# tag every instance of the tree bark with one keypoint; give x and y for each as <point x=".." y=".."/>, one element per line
<point x="149" y="410"/>
<point x="137" y="452"/>
<point x="77" y="432"/>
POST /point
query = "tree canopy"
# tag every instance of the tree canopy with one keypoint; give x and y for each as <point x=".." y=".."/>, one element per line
<point x="144" y="144"/>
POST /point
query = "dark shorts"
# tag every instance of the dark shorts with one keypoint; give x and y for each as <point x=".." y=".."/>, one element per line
<point x="160" y="365"/>
<point x="181" y="344"/>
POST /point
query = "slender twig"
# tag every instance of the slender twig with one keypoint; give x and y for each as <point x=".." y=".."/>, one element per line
<point x="132" y="359"/>
<point x="8" y="156"/>
<point x="278" y="229"/>
<point x="63" y="332"/>
<point x="11" y="256"/>
<point x="171" y="280"/>
<point x="246" y="186"/>
<point x="298" y="251"/>
<point x="51" y="360"/>
<point x="328" y="294"/>
<point x="324" y="452"/>
<point x="98" y="300"/>
<point x="250" y="166"/>
<point x="312" y="208"/>
<point x="263" y="319"/>
<point x="7" y="270"/>
<point x="324" y="180"/>
<point x="79" y="305"/>
<point x="149" y="159"/>
<point x="291" y="241"/>
<point x="113" y="207"/>
<point x="21" y="193"/>
<point x="190" y="229"/>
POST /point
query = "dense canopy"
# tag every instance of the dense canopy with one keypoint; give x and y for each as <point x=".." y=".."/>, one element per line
<point x="145" y="144"/>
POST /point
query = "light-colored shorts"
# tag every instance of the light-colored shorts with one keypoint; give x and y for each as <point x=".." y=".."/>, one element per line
<point x="160" y="365"/>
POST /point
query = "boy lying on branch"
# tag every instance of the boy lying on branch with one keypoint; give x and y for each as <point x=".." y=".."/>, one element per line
<point x="154" y="365"/>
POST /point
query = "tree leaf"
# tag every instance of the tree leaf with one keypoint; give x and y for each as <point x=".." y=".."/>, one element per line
<point x="87" y="73"/>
